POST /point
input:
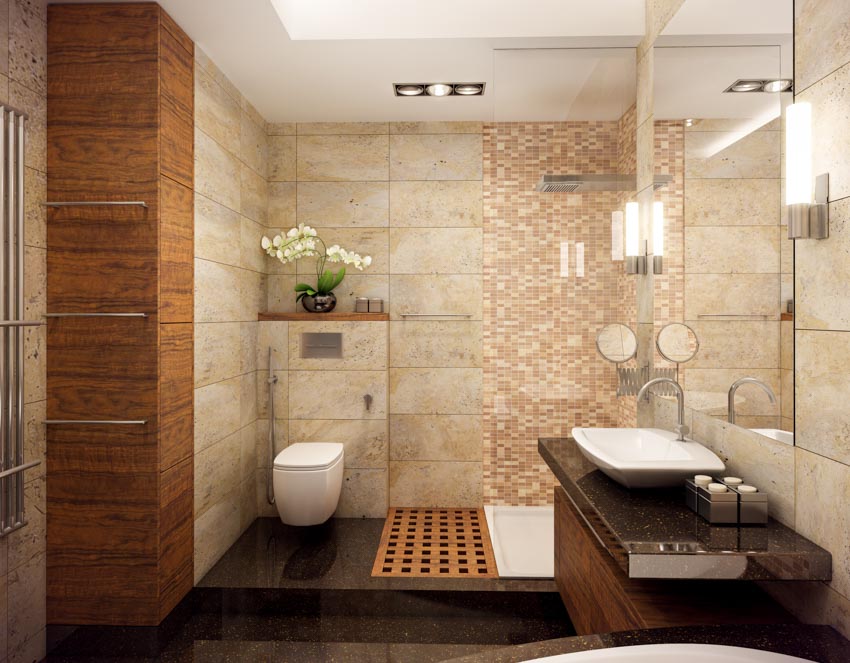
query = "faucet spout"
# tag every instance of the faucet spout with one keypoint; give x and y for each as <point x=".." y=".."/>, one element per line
<point x="681" y="428"/>
<point x="748" y="380"/>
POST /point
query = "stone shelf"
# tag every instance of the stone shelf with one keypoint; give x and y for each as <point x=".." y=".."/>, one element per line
<point x="333" y="316"/>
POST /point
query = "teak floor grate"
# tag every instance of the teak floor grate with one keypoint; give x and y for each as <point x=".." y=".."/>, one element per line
<point x="436" y="543"/>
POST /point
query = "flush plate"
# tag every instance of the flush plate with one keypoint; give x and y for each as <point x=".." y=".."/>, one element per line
<point x="324" y="345"/>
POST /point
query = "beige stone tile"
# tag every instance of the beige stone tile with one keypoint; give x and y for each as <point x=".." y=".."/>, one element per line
<point x="436" y="251"/>
<point x="364" y="494"/>
<point x="281" y="440"/>
<point x="262" y="392"/>
<point x="372" y="242"/>
<point x="732" y="202"/>
<point x="264" y="509"/>
<point x="281" y="295"/>
<point x="436" y="204"/>
<point x="252" y="256"/>
<point x="26" y="594"/>
<point x="318" y="394"/>
<point x="282" y="205"/>
<point x="341" y="128"/>
<point x="786" y="249"/>
<point x="436" y="437"/>
<point x="35" y="195"/>
<point x="735" y="250"/>
<point x="248" y="508"/>
<point x="435" y="484"/>
<point x="756" y="155"/>
<point x="35" y="282"/>
<point x="4" y="84"/>
<point x="249" y="395"/>
<point x="436" y="343"/>
<point x="821" y="42"/>
<point x="364" y="346"/>
<point x="436" y="127"/>
<point x="217" y="292"/>
<point x="736" y="344"/>
<point x="35" y="440"/>
<point x="645" y="163"/>
<point x="786" y="378"/>
<point x="281" y="128"/>
<point x="751" y="294"/>
<point x="248" y="339"/>
<point x="253" y="292"/>
<point x="217" y="412"/>
<point x="217" y="232"/>
<point x="217" y="472"/>
<point x="812" y="603"/>
<point x="822" y="482"/>
<point x="366" y="441"/>
<point x="456" y="294"/>
<point x="644" y="106"/>
<point x="35" y="105"/>
<point x="27" y="45"/>
<point x="823" y="387"/>
<point x="202" y="59"/>
<point x="362" y="284"/>
<point x="711" y="386"/>
<point x="217" y="172"/>
<point x="342" y="158"/>
<point x="30" y="541"/>
<point x="436" y="157"/>
<point x="254" y="195"/>
<point x="215" y="359"/>
<point x="252" y="113"/>
<point x="35" y="364"/>
<point x="4" y="70"/>
<point x="435" y="391"/>
<point x="822" y="274"/>
<point x="32" y="649"/>
<point x="275" y="335"/>
<point x="281" y="158"/>
<point x="830" y="99"/>
<point x="215" y="531"/>
<point x="217" y="112"/>
<point x="343" y="204"/>
<point x="253" y="142"/>
<point x="786" y="344"/>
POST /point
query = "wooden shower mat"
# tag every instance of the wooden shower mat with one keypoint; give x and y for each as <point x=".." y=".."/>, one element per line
<point x="435" y="543"/>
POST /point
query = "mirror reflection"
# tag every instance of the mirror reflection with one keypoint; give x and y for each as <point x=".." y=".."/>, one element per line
<point x="617" y="343"/>
<point x="677" y="342"/>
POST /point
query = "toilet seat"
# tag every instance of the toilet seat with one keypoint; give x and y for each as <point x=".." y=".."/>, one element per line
<point x="308" y="456"/>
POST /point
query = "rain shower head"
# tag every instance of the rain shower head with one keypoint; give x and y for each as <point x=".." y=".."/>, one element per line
<point x="583" y="183"/>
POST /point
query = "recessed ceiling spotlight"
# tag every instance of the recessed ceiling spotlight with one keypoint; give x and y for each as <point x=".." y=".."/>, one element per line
<point x="439" y="90"/>
<point x="746" y="85"/>
<point x="468" y="89"/>
<point x="409" y="90"/>
<point x="778" y="85"/>
<point x="689" y="122"/>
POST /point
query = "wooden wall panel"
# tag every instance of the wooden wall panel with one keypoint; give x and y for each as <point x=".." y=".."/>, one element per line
<point x="177" y="392"/>
<point x="177" y="249"/>
<point x="176" y="530"/>
<point x="177" y="115"/>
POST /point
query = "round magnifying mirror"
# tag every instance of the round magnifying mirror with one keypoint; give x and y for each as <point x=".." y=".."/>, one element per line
<point x="677" y="342"/>
<point x="616" y="342"/>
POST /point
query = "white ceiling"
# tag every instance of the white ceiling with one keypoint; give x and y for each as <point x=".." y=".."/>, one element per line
<point x="388" y="41"/>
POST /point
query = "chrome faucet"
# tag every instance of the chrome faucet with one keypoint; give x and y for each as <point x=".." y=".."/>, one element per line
<point x="738" y="383"/>
<point x="681" y="429"/>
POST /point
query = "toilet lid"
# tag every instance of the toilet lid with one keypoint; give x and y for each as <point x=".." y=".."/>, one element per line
<point x="308" y="456"/>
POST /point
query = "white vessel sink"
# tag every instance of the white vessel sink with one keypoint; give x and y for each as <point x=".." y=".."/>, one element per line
<point x="776" y="434"/>
<point x="672" y="653"/>
<point x="645" y="457"/>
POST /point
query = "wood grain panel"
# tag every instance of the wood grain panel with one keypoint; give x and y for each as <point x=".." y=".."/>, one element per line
<point x="176" y="394"/>
<point x="176" y="31"/>
<point x="176" y="531"/>
<point x="177" y="111"/>
<point x="176" y="253"/>
<point x="600" y="598"/>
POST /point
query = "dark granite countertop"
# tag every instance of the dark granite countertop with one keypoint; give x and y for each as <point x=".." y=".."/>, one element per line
<point x="813" y="643"/>
<point x="652" y="533"/>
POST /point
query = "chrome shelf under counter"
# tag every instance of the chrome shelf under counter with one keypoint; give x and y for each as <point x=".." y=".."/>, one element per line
<point x="651" y="533"/>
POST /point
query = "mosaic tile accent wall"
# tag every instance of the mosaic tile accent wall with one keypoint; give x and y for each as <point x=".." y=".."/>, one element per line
<point x="543" y="301"/>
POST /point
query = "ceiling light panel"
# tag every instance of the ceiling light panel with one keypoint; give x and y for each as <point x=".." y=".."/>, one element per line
<point x="438" y="89"/>
<point x="747" y="85"/>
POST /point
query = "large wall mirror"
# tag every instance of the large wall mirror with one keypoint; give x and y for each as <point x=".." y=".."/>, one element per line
<point x="728" y="265"/>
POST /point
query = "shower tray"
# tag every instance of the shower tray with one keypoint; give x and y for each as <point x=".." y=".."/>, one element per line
<point x="523" y="539"/>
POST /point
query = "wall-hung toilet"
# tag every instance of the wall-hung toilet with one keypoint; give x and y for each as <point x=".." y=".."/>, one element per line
<point x="307" y="482"/>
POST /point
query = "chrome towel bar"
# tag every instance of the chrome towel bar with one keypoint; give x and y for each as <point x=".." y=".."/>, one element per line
<point x="19" y="468"/>
<point x="20" y="323"/>
<point x="109" y="203"/>
<point x="436" y="315"/>
<point x="97" y="422"/>
<point x="96" y="315"/>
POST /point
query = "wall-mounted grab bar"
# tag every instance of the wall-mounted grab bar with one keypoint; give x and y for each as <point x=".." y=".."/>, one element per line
<point x="20" y="323"/>
<point x="109" y="203"/>
<point x="96" y="315"/>
<point x="97" y="422"/>
<point x="19" y="469"/>
<point x="436" y="315"/>
<point x="760" y="316"/>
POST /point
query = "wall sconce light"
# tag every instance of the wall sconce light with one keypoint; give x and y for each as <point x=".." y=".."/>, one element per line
<point x="635" y="263"/>
<point x="805" y="220"/>
<point x="616" y="236"/>
<point x="657" y="237"/>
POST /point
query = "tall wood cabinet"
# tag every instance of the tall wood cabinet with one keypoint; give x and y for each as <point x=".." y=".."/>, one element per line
<point x="120" y="124"/>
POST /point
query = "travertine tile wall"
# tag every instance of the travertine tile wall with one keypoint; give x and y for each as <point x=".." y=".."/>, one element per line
<point x="231" y="201"/>
<point x="408" y="194"/>
<point x="23" y="44"/>
<point x="542" y="375"/>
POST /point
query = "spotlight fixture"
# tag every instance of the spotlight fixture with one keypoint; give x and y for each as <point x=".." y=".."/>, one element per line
<point x="689" y="122"/>
<point x="761" y="85"/>
<point x="438" y="89"/>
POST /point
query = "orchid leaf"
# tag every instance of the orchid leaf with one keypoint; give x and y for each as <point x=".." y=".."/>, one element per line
<point x="340" y="275"/>
<point x="302" y="286"/>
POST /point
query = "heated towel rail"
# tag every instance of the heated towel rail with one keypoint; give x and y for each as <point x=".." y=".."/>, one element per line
<point x="12" y="323"/>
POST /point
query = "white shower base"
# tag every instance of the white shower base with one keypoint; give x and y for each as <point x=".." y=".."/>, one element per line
<point x="523" y="540"/>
